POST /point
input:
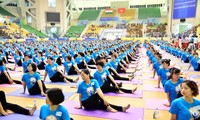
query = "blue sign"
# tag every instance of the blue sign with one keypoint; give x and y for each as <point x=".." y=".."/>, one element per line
<point x="184" y="9"/>
<point x="109" y="19"/>
<point x="90" y="38"/>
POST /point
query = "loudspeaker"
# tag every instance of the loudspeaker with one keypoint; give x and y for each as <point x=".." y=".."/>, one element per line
<point x="52" y="24"/>
<point x="182" y="20"/>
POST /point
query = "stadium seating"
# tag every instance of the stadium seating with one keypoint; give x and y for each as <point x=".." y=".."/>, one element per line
<point x="74" y="31"/>
<point x="144" y="13"/>
<point x="90" y="15"/>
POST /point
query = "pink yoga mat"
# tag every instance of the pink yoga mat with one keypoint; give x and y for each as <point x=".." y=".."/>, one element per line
<point x="156" y="103"/>
<point x="131" y="114"/>
<point x="11" y="85"/>
<point x="149" y="78"/>
<point x="134" y="82"/>
<point x="152" y="88"/>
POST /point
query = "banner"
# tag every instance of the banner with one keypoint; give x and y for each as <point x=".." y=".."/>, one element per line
<point x="109" y="11"/>
<point x="109" y="19"/>
<point x="184" y="9"/>
<point x="121" y="10"/>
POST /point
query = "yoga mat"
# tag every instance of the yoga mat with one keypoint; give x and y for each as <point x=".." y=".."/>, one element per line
<point x="16" y="116"/>
<point x="11" y="85"/>
<point x="152" y="88"/>
<point x="147" y="71"/>
<point x="17" y="93"/>
<point x="60" y="83"/>
<point x="149" y="78"/>
<point x="137" y="94"/>
<point x="133" y="65"/>
<point x="134" y="81"/>
<point x="156" y="103"/>
<point x="131" y="114"/>
<point x="194" y="76"/>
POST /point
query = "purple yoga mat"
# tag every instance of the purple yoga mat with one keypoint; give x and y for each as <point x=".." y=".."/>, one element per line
<point x="152" y="88"/>
<point x="17" y="93"/>
<point x="130" y="114"/>
<point x="134" y="82"/>
<point x="194" y="75"/>
<point x="156" y="103"/>
<point x="21" y="117"/>
<point x="60" y="83"/>
<point x="137" y="94"/>
<point x="11" y="85"/>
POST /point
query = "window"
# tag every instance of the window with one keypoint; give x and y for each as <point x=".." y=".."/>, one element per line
<point x="52" y="3"/>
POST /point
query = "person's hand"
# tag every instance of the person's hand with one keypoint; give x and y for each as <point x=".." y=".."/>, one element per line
<point x="11" y="81"/>
<point x="43" y="94"/>
<point x="78" y="107"/>
<point x="167" y="105"/>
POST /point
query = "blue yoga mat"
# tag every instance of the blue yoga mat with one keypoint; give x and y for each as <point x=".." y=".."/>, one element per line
<point x="17" y="93"/>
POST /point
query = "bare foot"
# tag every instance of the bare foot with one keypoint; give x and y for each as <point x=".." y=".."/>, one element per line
<point x="126" y="108"/>
<point x="120" y="92"/>
<point x="9" y="112"/>
<point x="76" y="79"/>
<point x="109" y="109"/>
<point x="133" y="91"/>
<point x="31" y="112"/>
<point x="167" y="105"/>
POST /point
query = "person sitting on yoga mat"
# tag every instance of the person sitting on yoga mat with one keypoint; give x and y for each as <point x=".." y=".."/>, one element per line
<point x="7" y="108"/>
<point x="91" y="97"/>
<point x="4" y="75"/>
<point x="195" y="62"/>
<point x="172" y="86"/>
<point x="105" y="79"/>
<point x="3" y="56"/>
<point x="112" y="71"/>
<point x="18" y="58"/>
<point x="164" y="73"/>
<point x="25" y="63"/>
<point x="55" y="74"/>
<point x="116" y="64"/>
<point x="40" y="61"/>
<point x="53" y="110"/>
<point x="70" y="66"/>
<point x="33" y="81"/>
<point x="186" y="107"/>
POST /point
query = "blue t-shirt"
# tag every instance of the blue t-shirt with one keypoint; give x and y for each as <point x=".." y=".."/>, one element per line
<point x="87" y="90"/>
<point x="30" y="80"/>
<point x="17" y="58"/>
<point x="25" y="64"/>
<point x="79" y="60"/>
<point x="68" y="65"/>
<point x="60" y="113"/>
<point x="180" y="108"/>
<point x="115" y="63"/>
<point x="164" y="75"/>
<point x="172" y="87"/>
<point x="51" y="69"/>
<point x="38" y="60"/>
<point x="101" y="77"/>
<point x="2" y="69"/>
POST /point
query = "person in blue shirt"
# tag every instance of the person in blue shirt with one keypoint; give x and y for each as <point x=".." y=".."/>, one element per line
<point x="70" y="66"/>
<point x="172" y="86"/>
<point x="3" y="56"/>
<point x="57" y="58"/>
<point x="112" y="71"/>
<point x="157" y="64"/>
<point x="25" y="63"/>
<point x="4" y="75"/>
<point x="186" y="107"/>
<point x="55" y="74"/>
<point x="7" y="108"/>
<point x="40" y="61"/>
<point x="105" y="80"/>
<point x="164" y="73"/>
<point x="18" y="58"/>
<point x="33" y="82"/>
<point x="53" y="110"/>
<point x="91" y="97"/>
<point x="80" y="61"/>
<point x="195" y="62"/>
<point x="89" y="58"/>
<point x="116" y="64"/>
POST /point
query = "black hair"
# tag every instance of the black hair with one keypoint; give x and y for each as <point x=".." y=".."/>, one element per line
<point x="167" y="61"/>
<point x="87" y="72"/>
<point x="1" y="62"/>
<point x="174" y="71"/>
<point x="100" y="63"/>
<point x="33" y="65"/>
<point x="49" y="57"/>
<point x="69" y="57"/>
<point x="55" y="96"/>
